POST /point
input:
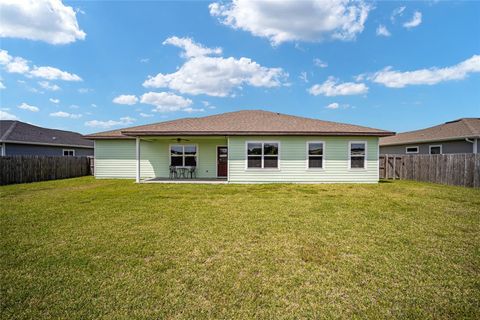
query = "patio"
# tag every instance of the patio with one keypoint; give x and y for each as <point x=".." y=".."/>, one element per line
<point x="183" y="180"/>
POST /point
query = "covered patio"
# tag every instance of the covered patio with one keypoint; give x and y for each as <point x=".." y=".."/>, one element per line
<point x="186" y="159"/>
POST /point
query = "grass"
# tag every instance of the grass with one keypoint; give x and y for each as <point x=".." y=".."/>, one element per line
<point x="84" y="248"/>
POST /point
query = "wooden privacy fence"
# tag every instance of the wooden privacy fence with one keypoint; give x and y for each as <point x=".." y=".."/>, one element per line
<point x="462" y="169"/>
<point x="21" y="169"/>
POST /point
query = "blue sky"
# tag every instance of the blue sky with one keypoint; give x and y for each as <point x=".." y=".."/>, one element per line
<point x="94" y="66"/>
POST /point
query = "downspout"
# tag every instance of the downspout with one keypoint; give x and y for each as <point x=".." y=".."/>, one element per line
<point x="4" y="151"/>
<point x="474" y="142"/>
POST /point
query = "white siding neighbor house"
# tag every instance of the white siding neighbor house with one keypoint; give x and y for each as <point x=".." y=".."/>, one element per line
<point x="250" y="146"/>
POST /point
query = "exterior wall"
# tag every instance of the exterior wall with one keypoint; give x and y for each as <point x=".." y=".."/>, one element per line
<point x="116" y="158"/>
<point x="293" y="161"/>
<point x="14" y="149"/>
<point x="457" y="146"/>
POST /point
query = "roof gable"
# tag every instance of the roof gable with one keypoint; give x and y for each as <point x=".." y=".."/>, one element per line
<point x="245" y="122"/>
<point x="451" y="130"/>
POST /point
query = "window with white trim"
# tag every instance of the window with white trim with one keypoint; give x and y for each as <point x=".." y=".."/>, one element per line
<point x="183" y="155"/>
<point x="411" y="149"/>
<point x="358" y="151"/>
<point x="69" y="152"/>
<point x="435" y="149"/>
<point x="262" y="155"/>
<point x="315" y="154"/>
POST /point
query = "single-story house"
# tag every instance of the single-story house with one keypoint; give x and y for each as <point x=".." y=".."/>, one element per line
<point x="20" y="138"/>
<point x="241" y="147"/>
<point x="458" y="136"/>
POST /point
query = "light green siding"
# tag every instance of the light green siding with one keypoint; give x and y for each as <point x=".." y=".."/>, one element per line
<point x="116" y="158"/>
<point x="293" y="161"/>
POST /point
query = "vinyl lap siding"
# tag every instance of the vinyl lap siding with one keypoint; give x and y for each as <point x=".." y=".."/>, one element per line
<point x="293" y="167"/>
<point x="116" y="158"/>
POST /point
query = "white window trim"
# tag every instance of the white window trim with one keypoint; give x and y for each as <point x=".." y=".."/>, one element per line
<point x="68" y="150"/>
<point x="262" y="168"/>
<point x="410" y="152"/>
<point x="183" y="161"/>
<point x="323" y="156"/>
<point x="434" y="146"/>
<point x="350" y="155"/>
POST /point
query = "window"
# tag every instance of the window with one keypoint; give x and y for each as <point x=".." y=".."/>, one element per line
<point x="411" y="149"/>
<point x="262" y="155"/>
<point x="436" y="149"/>
<point x="315" y="154"/>
<point x="183" y="155"/>
<point x="357" y="155"/>
<point x="69" y="152"/>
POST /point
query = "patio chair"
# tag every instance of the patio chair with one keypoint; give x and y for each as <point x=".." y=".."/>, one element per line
<point x="173" y="172"/>
<point x="193" y="172"/>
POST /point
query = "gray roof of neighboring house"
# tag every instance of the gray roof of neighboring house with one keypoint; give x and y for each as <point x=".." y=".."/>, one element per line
<point x="20" y="132"/>
<point x="245" y="122"/>
<point x="451" y="130"/>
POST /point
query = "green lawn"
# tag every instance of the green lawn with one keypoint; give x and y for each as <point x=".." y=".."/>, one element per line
<point x="84" y="248"/>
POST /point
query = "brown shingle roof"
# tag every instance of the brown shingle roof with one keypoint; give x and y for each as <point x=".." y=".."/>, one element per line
<point x="245" y="122"/>
<point x="17" y="131"/>
<point x="452" y="130"/>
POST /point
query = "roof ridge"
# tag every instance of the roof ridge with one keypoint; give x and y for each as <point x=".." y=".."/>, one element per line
<point x="9" y="130"/>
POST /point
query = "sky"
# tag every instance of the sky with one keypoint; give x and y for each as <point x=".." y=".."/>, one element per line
<point x="91" y="66"/>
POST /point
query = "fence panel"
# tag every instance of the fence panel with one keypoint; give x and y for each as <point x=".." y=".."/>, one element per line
<point x="22" y="169"/>
<point x="461" y="169"/>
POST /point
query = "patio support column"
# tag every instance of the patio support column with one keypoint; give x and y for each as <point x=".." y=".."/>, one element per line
<point x="137" y="153"/>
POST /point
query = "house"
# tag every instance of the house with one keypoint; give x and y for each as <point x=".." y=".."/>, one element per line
<point x="458" y="136"/>
<point x="242" y="147"/>
<point x="20" y="138"/>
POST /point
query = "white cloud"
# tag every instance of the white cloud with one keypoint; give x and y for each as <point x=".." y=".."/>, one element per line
<point x="303" y="76"/>
<point x="146" y="115"/>
<point x="293" y="20"/>
<point x="26" y="106"/>
<point x="45" y="20"/>
<point x="126" y="99"/>
<point x="20" y="65"/>
<point x="383" y="31"/>
<point x="93" y="105"/>
<point x="54" y="100"/>
<point x="145" y="60"/>
<point x="333" y="105"/>
<point x="319" y="63"/>
<point x="190" y="110"/>
<point x="84" y="90"/>
<point x="109" y="123"/>
<point x="51" y="73"/>
<point x="207" y="104"/>
<point x="415" y="22"/>
<point x="63" y="114"/>
<point x="397" y="12"/>
<point x="2" y="86"/>
<point x="165" y="101"/>
<point x="13" y="64"/>
<point x="217" y="76"/>
<point x="332" y="88"/>
<point x="48" y="86"/>
<point x="7" y="116"/>
<point x="336" y="105"/>
<point x="431" y="76"/>
<point x="190" y="48"/>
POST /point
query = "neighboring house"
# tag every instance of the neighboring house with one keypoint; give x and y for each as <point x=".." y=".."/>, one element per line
<point x="20" y="138"/>
<point x="242" y="147"/>
<point x="458" y="136"/>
